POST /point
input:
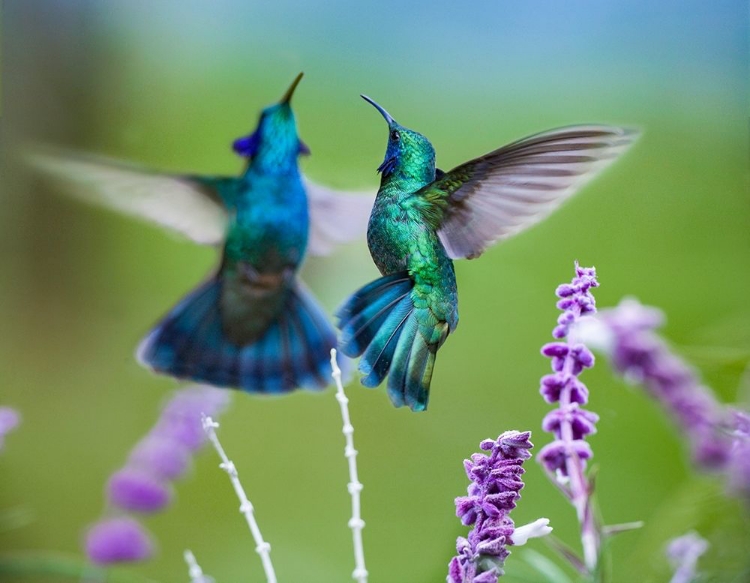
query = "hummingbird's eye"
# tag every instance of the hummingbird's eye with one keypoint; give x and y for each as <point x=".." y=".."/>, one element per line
<point x="395" y="136"/>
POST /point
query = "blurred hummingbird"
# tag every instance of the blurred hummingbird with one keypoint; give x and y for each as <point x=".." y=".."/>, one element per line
<point x="423" y="218"/>
<point x="252" y="325"/>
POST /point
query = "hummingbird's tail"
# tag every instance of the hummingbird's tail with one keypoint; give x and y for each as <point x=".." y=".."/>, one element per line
<point x="294" y="350"/>
<point x="395" y="338"/>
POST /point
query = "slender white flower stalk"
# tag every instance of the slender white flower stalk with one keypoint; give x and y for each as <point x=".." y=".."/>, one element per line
<point x="355" y="487"/>
<point x="194" y="569"/>
<point x="246" y="508"/>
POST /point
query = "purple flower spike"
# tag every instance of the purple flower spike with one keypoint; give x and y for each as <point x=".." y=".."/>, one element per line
<point x="627" y="334"/>
<point x="565" y="458"/>
<point x="118" y="540"/>
<point x="493" y="493"/>
<point x="164" y="455"/>
<point x="138" y="491"/>
<point x="569" y="423"/>
<point x="9" y="420"/>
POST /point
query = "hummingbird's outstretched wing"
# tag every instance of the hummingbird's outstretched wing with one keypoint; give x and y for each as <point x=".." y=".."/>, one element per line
<point x="335" y="216"/>
<point x="190" y="205"/>
<point x="501" y="193"/>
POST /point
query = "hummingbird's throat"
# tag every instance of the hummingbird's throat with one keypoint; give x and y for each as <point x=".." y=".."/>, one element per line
<point x="387" y="166"/>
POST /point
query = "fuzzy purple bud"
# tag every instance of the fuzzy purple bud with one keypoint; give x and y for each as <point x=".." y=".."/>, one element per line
<point x="558" y="455"/>
<point x="582" y="422"/>
<point x="553" y="385"/>
<point x="138" y="491"/>
<point x="493" y="493"/>
<point x="576" y="300"/>
<point x="180" y="420"/>
<point x="161" y="456"/>
<point x="118" y="540"/>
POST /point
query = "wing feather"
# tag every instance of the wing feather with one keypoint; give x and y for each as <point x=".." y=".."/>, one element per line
<point x="190" y="205"/>
<point x="501" y="193"/>
<point x="336" y="216"/>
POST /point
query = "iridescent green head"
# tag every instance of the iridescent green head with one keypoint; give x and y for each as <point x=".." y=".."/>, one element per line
<point x="409" y="155"/>
<point x="274" y="144"/>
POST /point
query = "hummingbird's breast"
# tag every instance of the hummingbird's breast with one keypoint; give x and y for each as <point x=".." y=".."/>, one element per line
<point x="389" y="234"/>
<point x="401" y="240"/>
<point x="398" y="237"/>
<point x="271" y="224"/>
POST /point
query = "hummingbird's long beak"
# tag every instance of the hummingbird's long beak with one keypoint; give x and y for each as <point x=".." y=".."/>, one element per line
<point x="382" y="111"/>
<point x="289" y="92"/>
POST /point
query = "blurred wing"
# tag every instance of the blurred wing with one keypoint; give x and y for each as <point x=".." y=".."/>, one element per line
<point x="188" y="204"/>
<point x="497" y="195"/>
<point x="336" y="216"/>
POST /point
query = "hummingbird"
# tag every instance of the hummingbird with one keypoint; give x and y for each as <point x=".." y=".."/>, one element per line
<point x="252" y="325"/>
<point x="424" y="218"/>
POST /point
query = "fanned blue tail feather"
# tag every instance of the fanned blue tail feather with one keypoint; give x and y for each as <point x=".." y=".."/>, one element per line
<point x="294" y="351"/>
<point x="381" y="323"/>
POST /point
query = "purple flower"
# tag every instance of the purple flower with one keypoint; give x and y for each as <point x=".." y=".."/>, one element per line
<point x="556" y="456"/>
<point x="9" y="420"/>
<point x="493" y="493"/>
<point x="180" y="420"/>
<point x="739" y="467"/>
<point x="565" y="458"/>
<point x="570" y="423"/>
<point x="138" y="491"/>
<point x="163" y="455"/>
<point x="628" y="335"/>
<point x="118" y="540"/>
<point x="683" y="554"/>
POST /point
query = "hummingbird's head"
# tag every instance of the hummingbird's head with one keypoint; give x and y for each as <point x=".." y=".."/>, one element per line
<point x="409" y="155"/>
<point x="274" y="143"/>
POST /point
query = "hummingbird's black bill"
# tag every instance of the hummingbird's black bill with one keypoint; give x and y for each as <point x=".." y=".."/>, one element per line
<point x="289" y="92"/>
<point x="382" y="111"/>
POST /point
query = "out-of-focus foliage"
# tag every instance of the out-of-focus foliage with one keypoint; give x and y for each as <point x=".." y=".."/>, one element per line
<point x="171" y="84"/>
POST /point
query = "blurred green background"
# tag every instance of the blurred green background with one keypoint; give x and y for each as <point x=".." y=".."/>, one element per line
<point x="171" y="84"/>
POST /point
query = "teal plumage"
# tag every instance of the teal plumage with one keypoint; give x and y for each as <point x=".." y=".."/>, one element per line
<point x="252" y="325"/>
<point x="424" y="218"/>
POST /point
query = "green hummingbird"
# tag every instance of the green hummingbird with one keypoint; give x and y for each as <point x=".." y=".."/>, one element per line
<point x="424" y="218"/>
<point x="252" y="324"/>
